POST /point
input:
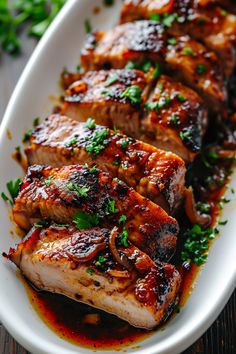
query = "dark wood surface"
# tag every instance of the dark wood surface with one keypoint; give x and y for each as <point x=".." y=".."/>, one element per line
<point x="219" y="339"/>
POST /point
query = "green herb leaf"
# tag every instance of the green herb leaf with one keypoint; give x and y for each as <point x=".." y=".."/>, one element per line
<point x="87" y="26"/>
<point x="223" y="222"/>
<point x="81" y="190"/>
<point x="131" y="65"/>
<point x="111" y="80"/>
<point x="172" y="41"/>
<point x="47" y="181"/>
<point x="41" y="224"/>
<point x="100" y="262"/>
<point x="181" y="98"/>
<point x="157" y="71"/>
<point x="27" y="135"/>
<point x="84" y="221"/>
<point x="13" y="188"/>
<point x="201" y="69"/>
<point x="108" y="2"/>
<point x="90" y="124"/>
<point x="111" y="207"/>
<point x="90" y="271"/>
<point x="124" y="237"/>
<point x="133" y="93"/>
<point x="98" y="142"/>
<point x="72" y="141"/>
<point x="184" y="135"/>
<point x="188" y="51"/>
<point x="122" y="219"/>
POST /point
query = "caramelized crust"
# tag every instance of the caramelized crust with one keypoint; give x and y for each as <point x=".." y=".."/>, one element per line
<point x="143" y="40"/>
<point x="55" y="194"/>
<point x="100" y="94"/>
<point x="154" y="173"/>
<point x="176" y="119"/>
<point x="212" y="25"/>
<point x="51" y="259"/>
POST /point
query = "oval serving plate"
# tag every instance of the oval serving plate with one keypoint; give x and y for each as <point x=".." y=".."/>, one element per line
<point x="60" y="47"/>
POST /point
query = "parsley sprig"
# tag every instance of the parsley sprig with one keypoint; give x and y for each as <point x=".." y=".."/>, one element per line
<point x="13" y="188"/>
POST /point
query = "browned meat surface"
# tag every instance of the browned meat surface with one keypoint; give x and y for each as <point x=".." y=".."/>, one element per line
<point x="154" y="173"/>
<point x="83" y="265"/>
<point x="176" y="119"/>
<point x="188" y="60"/>
<point x="91" y="197"/>
<point x="104" y="95"/>
<point x="209" y="24"/>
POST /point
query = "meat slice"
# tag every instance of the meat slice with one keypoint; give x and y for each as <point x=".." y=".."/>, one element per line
<point x="209" y="24"/>
<point x="107" y="97"/>
<point x="176" y="119"/>
<point x="153" y="173"/>
<point x="71" y="262"/>
<point x="188" y="60"/>
<point x="91" y="197"/>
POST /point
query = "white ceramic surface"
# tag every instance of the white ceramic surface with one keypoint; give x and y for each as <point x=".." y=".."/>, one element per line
<point x="60" y="47"/>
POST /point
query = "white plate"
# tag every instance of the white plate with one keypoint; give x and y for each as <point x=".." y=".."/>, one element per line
<point x="61" y="47"/>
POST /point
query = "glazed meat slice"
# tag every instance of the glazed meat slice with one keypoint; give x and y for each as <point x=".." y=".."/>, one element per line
<point x="81" y="265"/>
<point x="112" y="98"/>
<point x="209" y="24"/>
<point x="154" y="173"/>
<point x="188" y="60"/>
<point x="175" y="120"/>
<point x="91" y="197"/>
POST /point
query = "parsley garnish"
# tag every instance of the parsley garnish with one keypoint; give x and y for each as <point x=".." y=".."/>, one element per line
<point x="83" y="220"/>
<point x="181" y="98"/>
<point x="157" y="71"/>
<point x="124" y="143"/>
<point x="41" y="223"/>
<point x="111" y="207"/>
<point x="36" y="122"/>
<point x="27" y="135"/>
<point x="111" y="80"/>
<point x="98" y="142"/>
<point x="122" y="219"/>
<point x="146" y="66"/>
<point x="81" y="190"/>
<point x="201" y="69"/>
<point x="165" y="19"/>
<point x="196" y="245"/>
<point x="203" y="207"/>
<point x="108" y="2"/>
<point x="72" y="141"/>
<point x="131" y="65"/>
<point x="90" y="124"/>
<point x="116" y="163"/>
<point x="184" y="135"/>
<point x="188" y="51"/>
<point x="90" y="271"/>
<point x="173" y="119"/>
<point x="222" y="222"/>
<point x="133" y="93"/>
<point x="13" y="188"/>
<point x="47" y="181"/>
<point x="172" y="41"/>
<point x="100" y="261"/>
<point x="124" y="237"/>
<point x="87" y="26"/>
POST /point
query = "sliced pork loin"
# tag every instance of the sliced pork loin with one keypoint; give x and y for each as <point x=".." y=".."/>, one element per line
<point x="188" y="60"/>
<point x="91" y="197"/>
<point x="154" y="173"/>
<point x="175" y="119"/>
<point x="107" y="97"/>
<point x="89" y="267"/>
<point x="207" y="23"/>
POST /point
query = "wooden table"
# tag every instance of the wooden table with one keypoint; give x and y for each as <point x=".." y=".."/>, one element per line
<point x="219" y="339"/>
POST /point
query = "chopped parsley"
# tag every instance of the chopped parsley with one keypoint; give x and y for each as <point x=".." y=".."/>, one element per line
<point x="108" y="2"/>
<point x="84" y="220"/>
<point x="146" y="66"/>
<point x="188" y="51"/>
<point x="111" y="80"/>
<point x="90" y="124"/>
<point x="122" y="219"/>
<point x="196" y="245"/>
<point x="116" y="163"/>
<point x="203" y="207"/>
<point x="163" y="102"/>
<point x="13" y="188"/>
<point x="41" y="223"/>
<point x="98" y="142"/>
<point x="184" y="135"/>
<point x="173" y="119"/>
<point x="131" y="65"/>
<point x="124" y="237"/>
<point x="81" y="190"/>
<point x="157" y="71"/>
<point x="90" y="271"/>
<point x="172" y="41"/>
<point x="47" y="181"/>
<point x="27" y="135"/>
<point x="72" y="141"/>
<point x="36" y="122"/>
<point x="181" y="98"/>
<point x="111" y="207"/>
<point x="166" y="19"/>
<point x="100" y="261"/>
<point x="87" y="26"/>
<point x="125" y="143"/>
<point x="133" y="93"/>
<point x="223" y="222"/>
<point x="201" y="69"/>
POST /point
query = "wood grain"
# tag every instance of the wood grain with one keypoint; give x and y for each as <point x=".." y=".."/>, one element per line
<point x="219" y="339"/>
